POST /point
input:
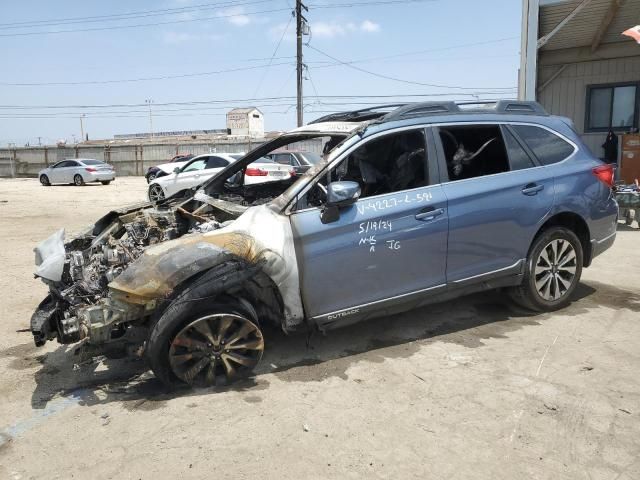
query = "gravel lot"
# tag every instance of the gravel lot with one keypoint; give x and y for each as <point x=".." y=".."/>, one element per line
<point x="468" y="389"/>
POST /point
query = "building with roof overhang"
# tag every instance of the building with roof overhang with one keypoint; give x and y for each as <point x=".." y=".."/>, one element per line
<point x="576" y="63"/>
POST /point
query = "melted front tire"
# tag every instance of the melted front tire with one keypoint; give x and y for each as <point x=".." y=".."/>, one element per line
<point x="203" y="344"/>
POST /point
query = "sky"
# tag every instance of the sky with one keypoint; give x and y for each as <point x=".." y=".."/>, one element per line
<point x="194" y="60"/>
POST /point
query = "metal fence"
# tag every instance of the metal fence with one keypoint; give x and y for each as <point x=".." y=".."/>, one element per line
<point x="128" y="159"/>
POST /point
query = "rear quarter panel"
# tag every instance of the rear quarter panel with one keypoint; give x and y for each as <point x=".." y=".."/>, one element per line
<point x="579" y="191"/>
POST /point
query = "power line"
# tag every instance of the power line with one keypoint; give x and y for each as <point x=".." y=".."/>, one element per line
<point x="140" y="79"/>
<point x="220" y="16"/>
<point x="264" y="74"/>
<point x="419" y="52"/>
<point x="127" y="16"/>
<point x="118" y="27"/>
<point x="268" y="65"/>
<point x="370" y="3"/>
<point x="410" y="82"/>
<point x="236" y="101"/>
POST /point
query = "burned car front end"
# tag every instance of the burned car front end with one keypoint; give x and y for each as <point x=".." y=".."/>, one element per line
<point x="80" y="304"/>
<point x="128" y="267"/>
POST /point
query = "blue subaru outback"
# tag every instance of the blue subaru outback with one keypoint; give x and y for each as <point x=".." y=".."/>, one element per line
<point x="410" y="205"/>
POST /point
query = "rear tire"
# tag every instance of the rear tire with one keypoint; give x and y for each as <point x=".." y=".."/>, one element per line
<point x="44" y="180"/>
<point x="105" y="182"/>
<point x="552" y="272"/>
<point x="78" y="180"/>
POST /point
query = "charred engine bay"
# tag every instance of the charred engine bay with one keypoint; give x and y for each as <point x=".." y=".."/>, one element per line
<point x="97" y="257"/>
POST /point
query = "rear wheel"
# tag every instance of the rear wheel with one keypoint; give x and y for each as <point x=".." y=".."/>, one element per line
<point x="552" y="272"/>
<point x="155" y="193"/>
<point x="105" y="182"/>
<point x="44" y="180"/>
<point x="78" y="180"/>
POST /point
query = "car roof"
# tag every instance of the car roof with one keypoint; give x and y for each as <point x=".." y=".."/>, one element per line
<point x="226" y="155"/>
<point x="404" y="111"/>
<point x="329" y="127"/>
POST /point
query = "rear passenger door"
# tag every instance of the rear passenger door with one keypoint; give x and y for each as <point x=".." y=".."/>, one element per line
<point x="497" y="200"/>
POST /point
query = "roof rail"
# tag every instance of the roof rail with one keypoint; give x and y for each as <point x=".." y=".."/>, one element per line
<point x="423" y="108"/>
<point x="510" y="106"/>
<point x="362" y="114"/>
<point x="411" y="110"/>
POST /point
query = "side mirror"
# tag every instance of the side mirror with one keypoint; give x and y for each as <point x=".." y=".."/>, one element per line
<point x="339" y="194"/>
<point x="176" y="170"/>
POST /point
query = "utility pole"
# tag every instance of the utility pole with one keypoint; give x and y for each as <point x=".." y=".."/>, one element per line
<point x="81" y="128"/>
<point x="300" y="22"/>
<point x="149" y="101"/>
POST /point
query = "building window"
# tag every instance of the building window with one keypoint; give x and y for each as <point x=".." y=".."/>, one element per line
<point x="612" y="107"/>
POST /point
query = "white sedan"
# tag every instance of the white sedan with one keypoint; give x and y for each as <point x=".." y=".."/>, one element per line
<point x="203" y="167"/>
<point x="77" y="171"/>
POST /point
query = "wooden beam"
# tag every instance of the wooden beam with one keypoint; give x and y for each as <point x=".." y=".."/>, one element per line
<point x="614" y="6"/>
<point x="542" y="41"/>
<point x="552" y="78"/>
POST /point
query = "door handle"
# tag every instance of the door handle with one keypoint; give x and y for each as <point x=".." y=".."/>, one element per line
<point x="532" y="189"/>
<point x="429" y="213"/>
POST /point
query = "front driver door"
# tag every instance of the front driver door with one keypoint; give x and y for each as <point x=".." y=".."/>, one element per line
<point x="55" y="175"/>
<point x="385" y="247"/>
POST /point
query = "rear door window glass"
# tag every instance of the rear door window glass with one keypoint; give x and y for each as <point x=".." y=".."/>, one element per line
<point x="216" y="162"/>
<point x="472" y="151"/>
<point x="282" y="158"/>
<point x="548" y="147"/>
<point x="518" y="158"/>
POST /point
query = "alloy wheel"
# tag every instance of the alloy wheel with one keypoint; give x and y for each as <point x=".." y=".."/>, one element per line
<point x="78" y="180"/>
<point x="555" y="269"/>
<point x="155" y="193"/>
<point x="214" y="349"/>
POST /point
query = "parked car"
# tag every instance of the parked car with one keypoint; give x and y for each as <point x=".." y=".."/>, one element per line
<point x="203" y="167"/>
<point x="409" y="206"/>
<point x="300" y="161"/>
<point x="189" y="174"/>
<point x="158" y="171"/>
<point x="78" y="171"/>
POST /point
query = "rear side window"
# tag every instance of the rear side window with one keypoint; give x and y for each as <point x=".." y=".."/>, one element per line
<point x="518" y="158"/>
<point x="548" y="147"/>
<point x="216" y="162"/>
<point x="283" y="158"/>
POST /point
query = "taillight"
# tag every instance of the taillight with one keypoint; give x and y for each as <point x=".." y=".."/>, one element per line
<point x="90" y="169"/>
<point x="256" y="172"/>
<point x="604" y="173"/>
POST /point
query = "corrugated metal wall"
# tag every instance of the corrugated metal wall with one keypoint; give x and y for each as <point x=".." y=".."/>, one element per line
<point x="567" y="94"/>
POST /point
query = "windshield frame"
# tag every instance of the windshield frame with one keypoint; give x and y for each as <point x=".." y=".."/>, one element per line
<point x="216" y="183"/>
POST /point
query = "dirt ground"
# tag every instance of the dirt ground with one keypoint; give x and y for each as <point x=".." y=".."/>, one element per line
<point x="467" y="389"/>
